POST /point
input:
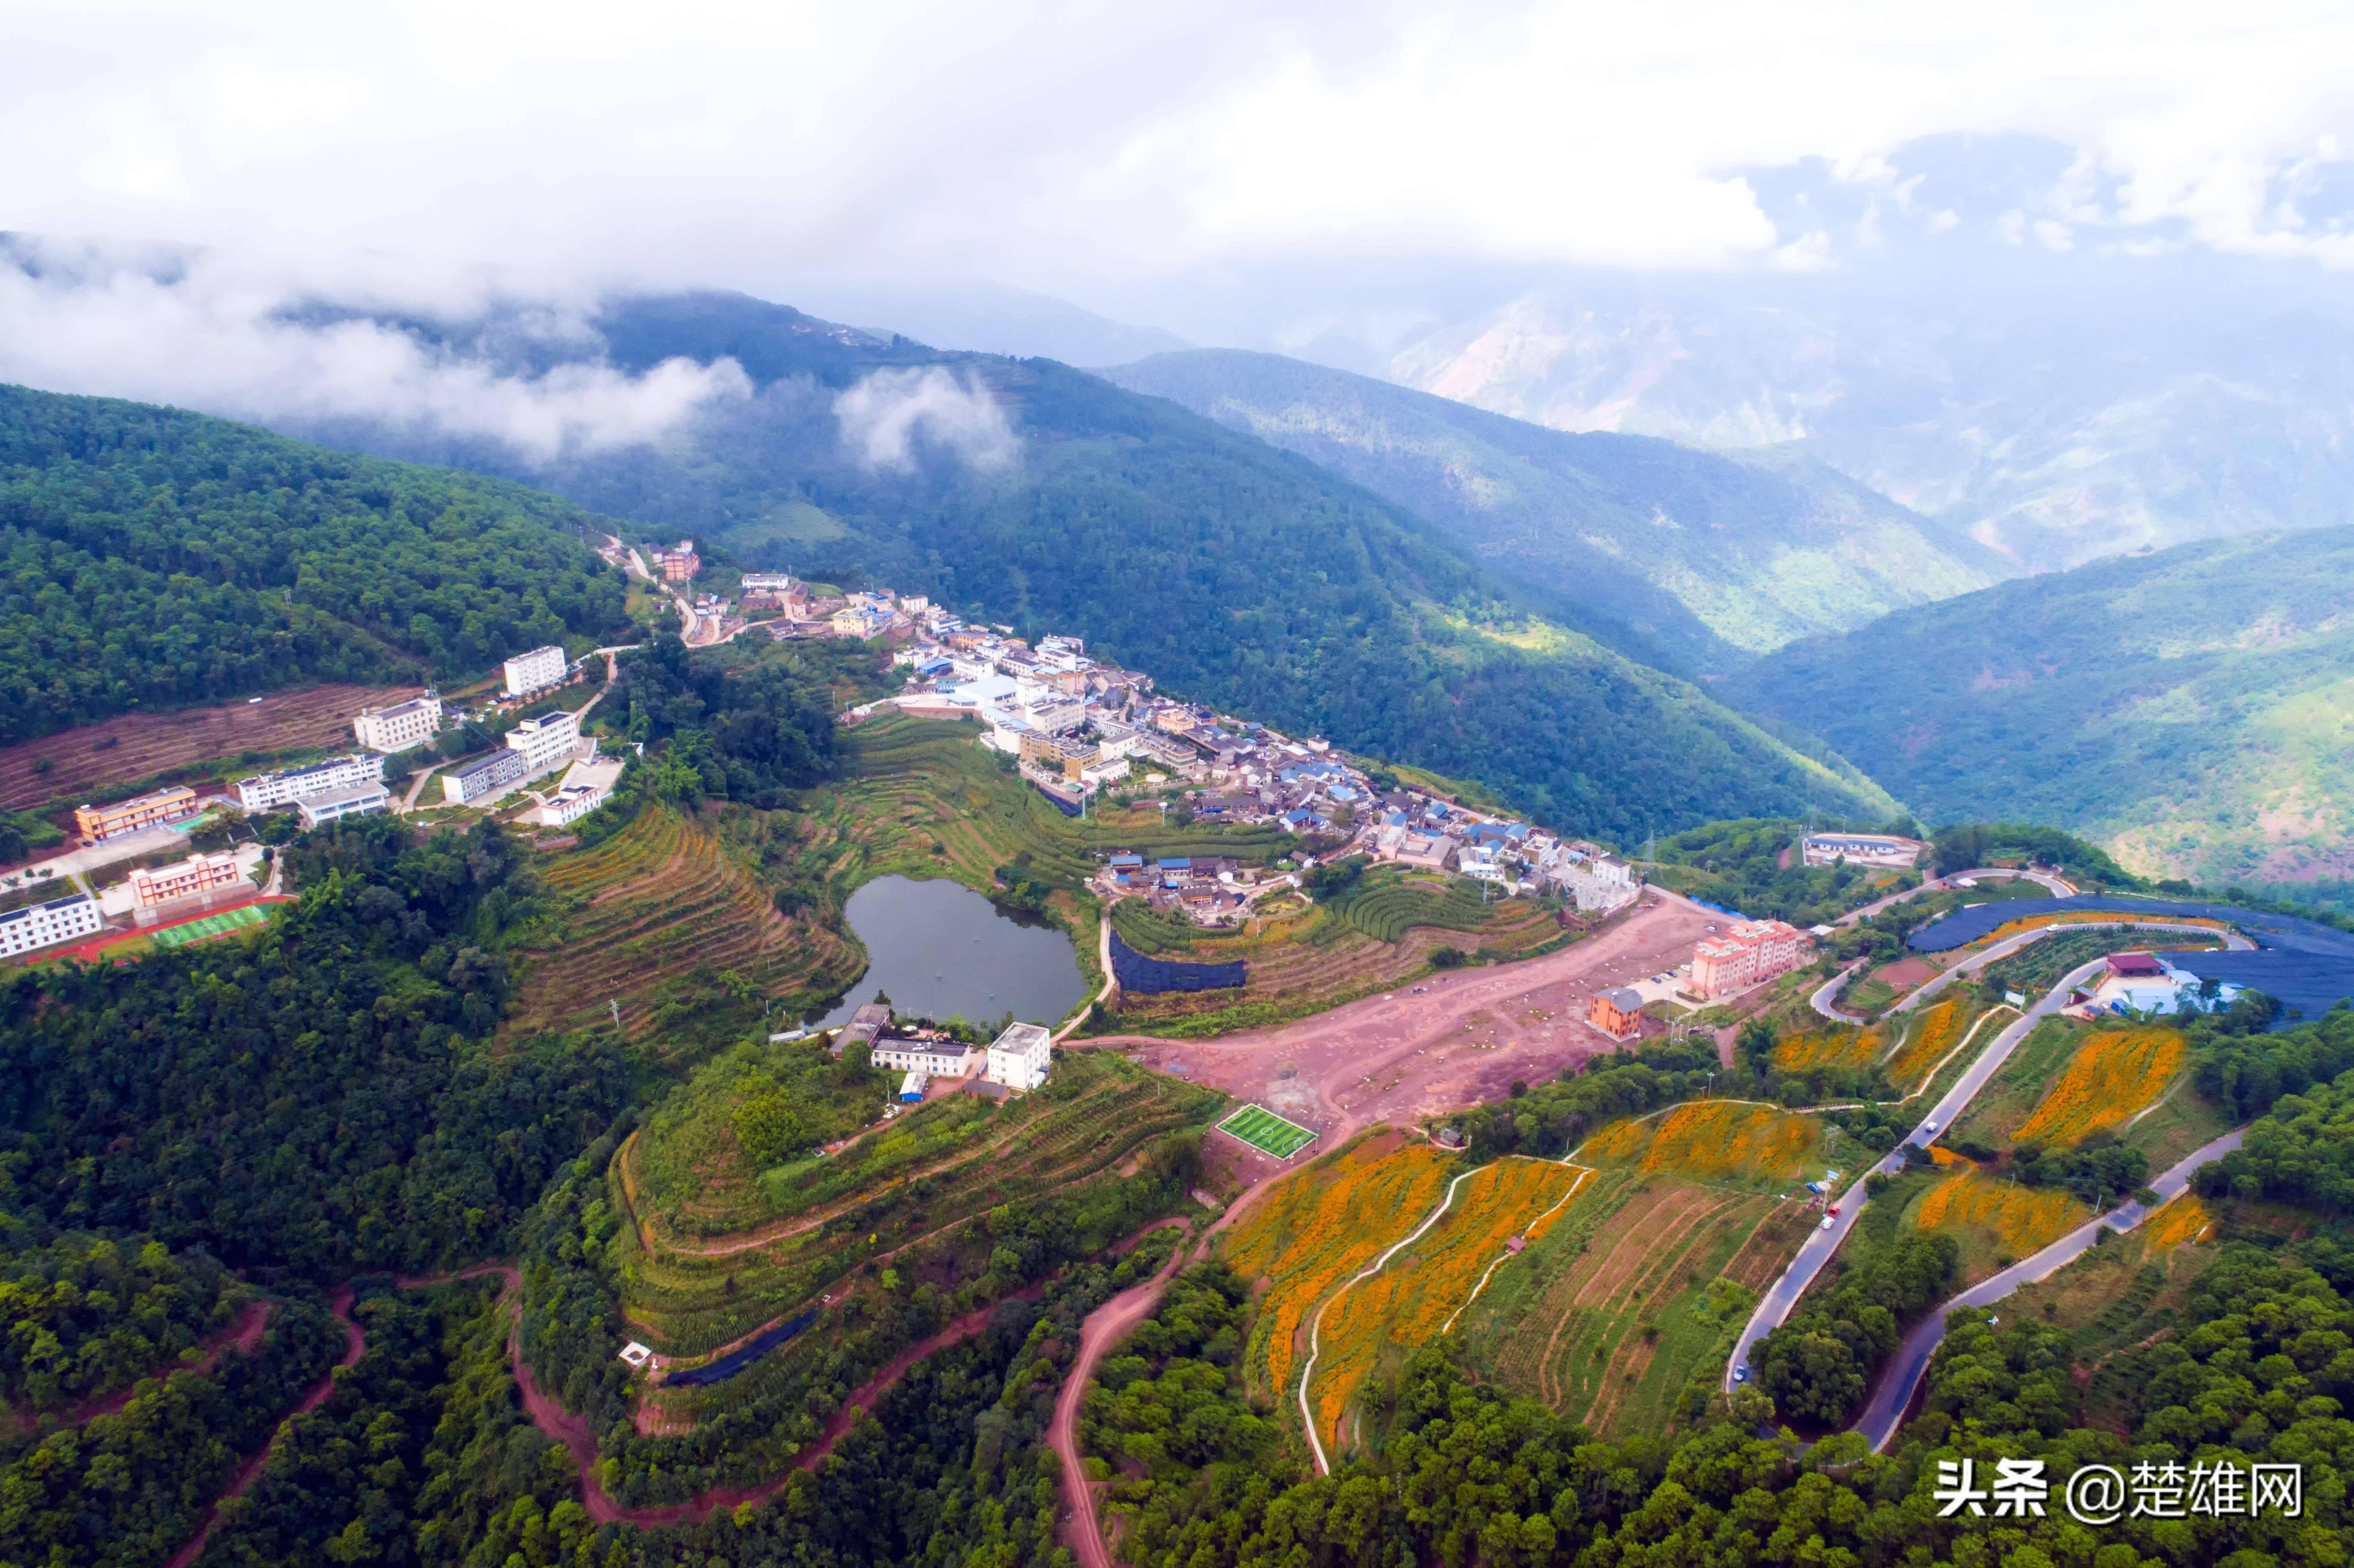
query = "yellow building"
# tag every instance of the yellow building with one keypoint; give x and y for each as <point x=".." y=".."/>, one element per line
<point x="99" y="823"/>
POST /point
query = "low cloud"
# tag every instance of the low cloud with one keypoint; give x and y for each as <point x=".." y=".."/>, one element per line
<point x="204" y="339"/>
<point x="883" y="414"/>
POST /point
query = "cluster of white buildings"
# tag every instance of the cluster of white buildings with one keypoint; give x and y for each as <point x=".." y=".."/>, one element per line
<point x="532" y="749"/>
<point x="267" y="792"/>
<point x="542" y="669"/>
<point x="1018" y="1060"/>
<point x="38" y="926"/>
<point x="400" y="726"/>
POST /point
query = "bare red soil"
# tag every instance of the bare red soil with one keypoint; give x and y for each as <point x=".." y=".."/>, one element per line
<point x="244" y="1333"/>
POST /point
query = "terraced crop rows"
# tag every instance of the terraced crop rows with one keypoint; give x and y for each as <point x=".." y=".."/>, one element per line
<point x="1725" y="1140"/>
<point x="660" y="901"/>
<point x="2113" y="1074"/>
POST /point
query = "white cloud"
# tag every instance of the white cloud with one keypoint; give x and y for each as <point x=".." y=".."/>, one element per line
<point x="217" y="342"/>
<point x="883" y="414"/>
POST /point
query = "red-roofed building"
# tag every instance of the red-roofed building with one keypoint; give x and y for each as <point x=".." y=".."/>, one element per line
<point x="1749" y="951"/>
<point x="2134" y="966"/>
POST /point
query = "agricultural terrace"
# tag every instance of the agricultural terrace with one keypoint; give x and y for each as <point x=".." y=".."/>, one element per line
<point x="1366" y="1330"/>
<point x="920" y="1176"/>
<point x="94" y="760"/>
<point x="1996" y="1222"/>
<point x="1268" y="1132"/>
<point x="1317" y="1227"/>
<point x="1630" y="1306"/>
<point x="1925" y="1037"/>
<point x="2038" y="966"/>
<point x="1906" y="1048"/>
<point x="1305" y="958"/>
<point x="675" y="926"/>
<point x="1731" y="1141"/>
<point x="2113" y="1075"/>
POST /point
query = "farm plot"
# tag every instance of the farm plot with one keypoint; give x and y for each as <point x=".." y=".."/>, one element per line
<point x="1837" y="1046"/>
<point x="80" y="764"/>
<point x="1996" y="1223"/>
<point x="1417" y="1298"/>
<point x="1614" y="1327"/>
<point x="1265" y="1130"/>
<point x="662" y="923"/>
<point x="1926" y="1038"/>
<point x="1319" y="1227"/>
<point x="2112" y="1076"/>
<point x="1727" y="1140"/>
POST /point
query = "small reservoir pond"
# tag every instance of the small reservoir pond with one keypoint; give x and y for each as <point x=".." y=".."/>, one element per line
<point x="939" y="949"/>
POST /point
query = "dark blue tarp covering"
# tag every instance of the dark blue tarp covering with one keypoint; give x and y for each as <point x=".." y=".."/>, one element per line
<point x="2302" y="964"/>
<point x="1068" y="808"/>
<point x="1136" y="973"/>
<point x="736" y="1360"/>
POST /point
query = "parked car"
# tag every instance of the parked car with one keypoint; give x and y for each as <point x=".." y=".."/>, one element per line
<point x="1829" y="1222"/>
<point x="1741" y="1374"/>
<point x="1832" y="1211"/>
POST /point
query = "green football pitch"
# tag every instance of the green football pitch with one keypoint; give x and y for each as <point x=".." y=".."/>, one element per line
<point x="212" y="926"/>
<point x="1265" y="1130"/>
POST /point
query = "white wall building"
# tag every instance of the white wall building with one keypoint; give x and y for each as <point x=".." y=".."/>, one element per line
<point x="41" y="926"/>
<point x="545" y="741"/>
<point x="573" y="802"/>
<point x="937" y="1058"/>
<point x="1020" y="1057"/>
<point x="267" y="792"/>
<point x="153" y="885"/>
<point x="359" y="801"/>
<point x="536" y="671"/>
<point x="396" y="728"/>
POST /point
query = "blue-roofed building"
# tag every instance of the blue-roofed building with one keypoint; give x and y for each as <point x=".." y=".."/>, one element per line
<point x="1124" y="862"/>
<point x="1180" y="863"/>
<point x="1342" y="792"/>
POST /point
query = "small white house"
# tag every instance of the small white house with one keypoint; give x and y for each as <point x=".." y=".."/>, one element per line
<point x="1020" y="1057"/>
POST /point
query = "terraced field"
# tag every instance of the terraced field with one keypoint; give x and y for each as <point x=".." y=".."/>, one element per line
<point x="1731" y="1141"/>
<point x="1615" y="1326"/>
<point x="899" y="1185"/>
<point x="1996" y="1221"/>
<point x="2112" y="1076"/>
<point x="660" y="920"/>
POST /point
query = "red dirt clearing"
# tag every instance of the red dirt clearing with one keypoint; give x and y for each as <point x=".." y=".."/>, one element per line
<point x="1401" y="1058"/>
<point x="82" y="762"/>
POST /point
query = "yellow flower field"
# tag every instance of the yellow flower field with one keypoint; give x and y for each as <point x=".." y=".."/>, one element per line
<point x="1834" y="1046"/>
<point x="2180" y="1223"/>
<point x="1411" y="1300"/>
<point x="2114" y="1075"/>
<point x="2018" y="1220"/>
<point x="1325" y="1224"/>
<point x="1934" y="1032"/>
<point x="1712" y="1137"/>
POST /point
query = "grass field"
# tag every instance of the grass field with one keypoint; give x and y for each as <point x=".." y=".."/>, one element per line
<point x="2013" y="1092"/>
<point x="243" y="918"/>
<point x="1265" y="1130"/>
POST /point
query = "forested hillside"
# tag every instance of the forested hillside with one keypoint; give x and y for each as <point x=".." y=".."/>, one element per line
<point x="2190" y="709"/>
<point x="1233" y="573"/>
<point x="151" y="558"/>
<point x="1699" y="555"/>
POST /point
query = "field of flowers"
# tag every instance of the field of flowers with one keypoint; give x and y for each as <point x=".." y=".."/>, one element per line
<point x="1411" y="1300"/>
<point x="1713" y="1138"/>
<point x="1836" y="1045"/>
<point x="1935" y="1031"/>
<point x="2008" y="1220"/>
<point x="2180" y="1223"/>
<point x="1325" y="1224"/>
<point x="2115" y="1074"/>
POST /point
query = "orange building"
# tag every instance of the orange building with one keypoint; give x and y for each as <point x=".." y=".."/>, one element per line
<point x="98" y="823"/>
<point x="1618" y="1011"/>
<point x="1749" y="951"/>
<point x="197" y="873"/>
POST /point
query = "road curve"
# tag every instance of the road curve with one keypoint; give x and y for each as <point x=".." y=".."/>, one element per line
<point x="1824" y="1001"/>
<point x="1884" y="1411"/>
<point x="1822" y="1243"/>
<point x="1103" y="1328"/>
<point x="2009" y="944"/>
<point x="2052" y="884"/>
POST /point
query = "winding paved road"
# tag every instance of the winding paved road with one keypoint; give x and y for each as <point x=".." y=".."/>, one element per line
<point x="1822" y="1243"/>
<point x="1884" y="1411"/>
<point x="2010" y="945"/>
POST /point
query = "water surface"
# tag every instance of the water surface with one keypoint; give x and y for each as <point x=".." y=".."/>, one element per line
<point x="939" y="949"/>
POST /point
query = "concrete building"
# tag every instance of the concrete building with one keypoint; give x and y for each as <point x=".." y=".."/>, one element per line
<point x="1425" y="852"/>
<point x="536" y="671"/>
<point x="860" y="620"/>
<point x="1597" y="886"/>
<point x="864" y="1024"/>
<point x="573" y="802"/>
<point x="678" y="564"/>
<point x="39" y="926"/>
<point x="1862" y="849"/>
<point x="545" y="742"/>
<point x="487" y="778"/>
<point x="358" y="800"/>
<point x="779" y="583"/>
<point x="400" y="726"/>
<point x="153" y="885"/>
<point x="1616" y="1012"/>
<point x="99" y="823"/>
<point x="1748" y="952"/>
<point x="1021" y="1058"/>
<point x="935" y="1058"/>
<point x="267" y="792"/>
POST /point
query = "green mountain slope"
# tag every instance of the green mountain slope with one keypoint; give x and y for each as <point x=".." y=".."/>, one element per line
<point x="2190" y="709"/>
<point x="1695" y="550"/>
<point x="151" y="558"/>
<point x="1235" y="573"/>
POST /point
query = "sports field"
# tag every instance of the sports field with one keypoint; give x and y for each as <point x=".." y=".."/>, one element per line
<point x="1266" y="1132"/>
<point x="219" y="925"/>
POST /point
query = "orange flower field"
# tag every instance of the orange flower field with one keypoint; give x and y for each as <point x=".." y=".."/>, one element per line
<point x="1836" y="1046"/>
<point x="1408" y="1302"/>
<point x="1319" y="1227"/>
<point x="2180" y="1223"/>
<point x="2020" y="1220"/>
<point x="2115" y="1074"/>
<point x="1712" y="1137"/>
<point x="1935" y="1032"/>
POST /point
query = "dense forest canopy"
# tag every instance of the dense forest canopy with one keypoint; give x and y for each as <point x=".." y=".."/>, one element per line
<point x="151" y="558"/>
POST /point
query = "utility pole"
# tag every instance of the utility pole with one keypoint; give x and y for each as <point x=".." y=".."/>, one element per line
<point x="615" y="1004"/>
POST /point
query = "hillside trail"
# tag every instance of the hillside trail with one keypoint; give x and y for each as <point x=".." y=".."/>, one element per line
<point x="354" y="1342"/>
<point x="243" y="1333"/>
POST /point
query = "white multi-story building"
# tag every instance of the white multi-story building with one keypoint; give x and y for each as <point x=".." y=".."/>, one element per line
<point x="487" y="778"/>
<point x="767" y="582"/>
<point x="41" y="926"/>
<point x="1020" y="1057"/>
<point x="267" y="792"/>
<point x="153" y="885"/>
<point x="573" y="802"/>
<point x="400" y="726"/>
<point x="545" y="741"/>
<point x="935" y="1058"/>
<point x="536" y="671"/>
<point x="367" y="800"/>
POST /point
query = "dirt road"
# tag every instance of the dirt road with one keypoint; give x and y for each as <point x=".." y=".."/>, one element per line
<point x="1457" y="1039"/>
